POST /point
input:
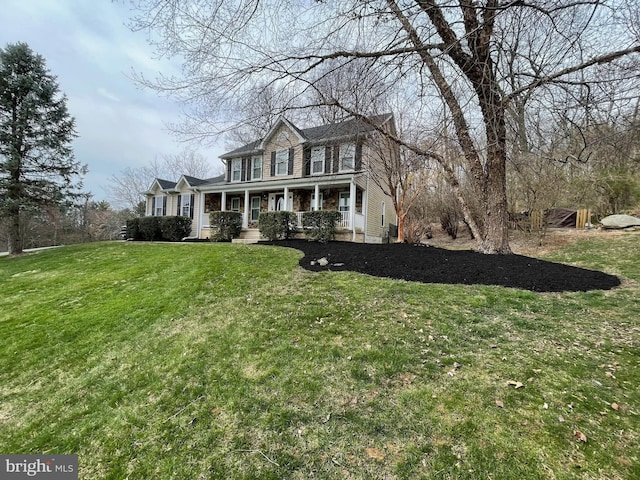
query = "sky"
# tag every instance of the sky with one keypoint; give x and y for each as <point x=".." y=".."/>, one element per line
<point x="89" y="47"/>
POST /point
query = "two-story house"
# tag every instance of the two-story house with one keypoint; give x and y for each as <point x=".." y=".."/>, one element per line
<point x="320" y="168"/>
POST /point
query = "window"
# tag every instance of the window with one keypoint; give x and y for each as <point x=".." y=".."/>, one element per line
<point x="317" y="160"/>
<point x="256" y="168"/>
<point x="383" y="213"/>
<point x="185" y="205"/>
<point x="236" y="169"/>
<point x="255" y="208"/>
<point x="159" y="206"/>
<point x="344" y="201"/>
<point x="320" y="200"/>
<point x="282" y="162"/>
<point x="235" y="204"/>
<point x="347" y="157"/>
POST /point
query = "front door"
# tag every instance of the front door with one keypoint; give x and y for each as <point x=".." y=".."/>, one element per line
<point x="276" y="201"/>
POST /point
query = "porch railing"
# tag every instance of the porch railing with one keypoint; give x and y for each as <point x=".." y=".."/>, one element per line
<point x="344" y="221"/>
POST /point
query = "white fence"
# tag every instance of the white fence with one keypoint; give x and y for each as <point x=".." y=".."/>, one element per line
<point x="344" y="221"/>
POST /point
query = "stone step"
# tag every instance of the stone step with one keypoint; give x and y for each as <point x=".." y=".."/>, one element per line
<point x="248" y="236"/>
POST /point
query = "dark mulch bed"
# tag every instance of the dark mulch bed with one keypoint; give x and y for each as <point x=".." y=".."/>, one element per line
<point x="426" y="264"/>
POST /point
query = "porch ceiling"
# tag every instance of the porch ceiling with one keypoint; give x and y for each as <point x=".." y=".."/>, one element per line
<point x="322" y="181"/>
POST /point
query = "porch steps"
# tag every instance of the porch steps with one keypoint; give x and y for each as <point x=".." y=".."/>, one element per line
<point x="251" y="235"/>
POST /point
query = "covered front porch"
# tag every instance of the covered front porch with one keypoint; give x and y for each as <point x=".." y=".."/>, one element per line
<point x="345" y="197"/>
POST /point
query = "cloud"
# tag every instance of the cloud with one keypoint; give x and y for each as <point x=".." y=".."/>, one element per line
<point x="88" y="46"/>
<point x="108" y="95"/>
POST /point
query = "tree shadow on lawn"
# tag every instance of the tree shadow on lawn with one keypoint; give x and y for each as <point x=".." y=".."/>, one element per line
<point x="426" y="264"/>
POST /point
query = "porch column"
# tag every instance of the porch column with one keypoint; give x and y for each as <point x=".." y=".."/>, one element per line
<point x="200" y="215"/>
<point x="245" y="215"/>
<point x="352" y="209"/>
<point x="223" y="201"/>
<point x="286" y="198"/>
<point x="316" y="199"/>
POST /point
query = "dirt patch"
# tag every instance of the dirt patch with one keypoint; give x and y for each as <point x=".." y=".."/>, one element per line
<point x="432" y="264"/>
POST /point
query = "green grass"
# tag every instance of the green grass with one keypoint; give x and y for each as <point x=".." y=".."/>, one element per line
<point x="201" y="361"/>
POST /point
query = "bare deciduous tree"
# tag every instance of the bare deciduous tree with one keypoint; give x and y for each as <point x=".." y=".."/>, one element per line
<point x="479" y="57"/>
<point x="125" y="189"/>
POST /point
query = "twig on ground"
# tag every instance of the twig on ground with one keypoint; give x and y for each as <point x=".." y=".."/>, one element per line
<point x="260" y="452"/>
<point x="184" y="408"/>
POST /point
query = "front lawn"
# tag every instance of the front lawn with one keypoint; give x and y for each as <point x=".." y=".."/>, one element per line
<point x="198" y="361"/>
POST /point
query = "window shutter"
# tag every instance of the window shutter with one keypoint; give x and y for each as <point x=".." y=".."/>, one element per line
<point x="192" y="205"/>
<point x="164" y="206"/>
<point x="306" y="155"/>
<point x="358" y="159"/>
<point x="327" y="159"/>
<point x="273" y="164"/>
<point x="229" y="170"/>
<point x="153" y="206"/>
<point x="336" y="158"/>
<point x="290" y="166"/>
<point x="179" y="205"/>
<point x="243" y="174"/>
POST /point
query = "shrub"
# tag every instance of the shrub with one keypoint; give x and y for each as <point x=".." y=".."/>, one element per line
<point x="276" y="225"/>
<point x="174" y="229"/>
<point x="224" y="226"/>
<point x="320" y="225"/>
<point x="133" y="229"/>
<point x="150" y="228"/>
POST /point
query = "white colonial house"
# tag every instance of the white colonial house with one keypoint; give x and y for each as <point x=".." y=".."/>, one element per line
<point x="328" y="167"/>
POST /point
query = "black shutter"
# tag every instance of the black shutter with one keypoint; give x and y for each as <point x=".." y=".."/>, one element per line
<point x="179" y="204"/>
<point x="358" y="160"/>
<point x="164" y="206"/>
<point x="243" y="175"/>
<point x="290" y="166"/>
<point x="327" y="159"/>
<point x="306" y="156"/>
<point x="336" y="158"/>
<point x="192" y="205"/>
<point x="229" y="170"/>
<point x="153" y="206"/>
<point x="273" y="164"/>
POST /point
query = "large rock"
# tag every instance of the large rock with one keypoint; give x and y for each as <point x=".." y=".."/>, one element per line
<point x="620" y="221"/>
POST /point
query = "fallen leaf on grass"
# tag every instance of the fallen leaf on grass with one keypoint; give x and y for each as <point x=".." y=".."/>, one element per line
<point x="622" y="407"/>
<point x="499" y="403"/>
<point x="375" y="453"/>
<point x="511" y="383"/>
<point x="609" y="374"/>
<point x="580" y="436"/>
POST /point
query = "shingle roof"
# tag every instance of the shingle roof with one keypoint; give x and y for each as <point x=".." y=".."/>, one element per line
<point x="348" y="128"/>
<point x="193" y="181"/>
<point x="214" y="180"/>
<point x="165" y="184"/>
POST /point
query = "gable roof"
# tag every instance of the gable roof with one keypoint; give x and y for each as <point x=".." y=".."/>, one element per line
<point x="282" y="121"/>
<point x="322" y="133"/>
<point x="165" y="185"/>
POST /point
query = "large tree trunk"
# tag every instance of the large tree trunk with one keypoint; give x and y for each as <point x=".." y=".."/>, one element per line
<point x="496" y="226"/>
<point x="16" y="243"/>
